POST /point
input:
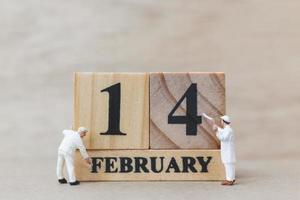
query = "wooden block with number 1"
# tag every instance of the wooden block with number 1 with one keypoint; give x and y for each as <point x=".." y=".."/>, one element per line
<point x="115" y="109"/>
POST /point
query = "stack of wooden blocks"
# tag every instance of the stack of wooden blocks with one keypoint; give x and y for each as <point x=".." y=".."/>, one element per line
<point x="148" y="126"/>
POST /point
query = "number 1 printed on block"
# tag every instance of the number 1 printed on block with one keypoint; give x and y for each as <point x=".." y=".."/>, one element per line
<point x="114" y="110"/>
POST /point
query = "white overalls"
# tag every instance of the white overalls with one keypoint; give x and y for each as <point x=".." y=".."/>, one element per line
<point x="66" y="150"/>
<point x="226" y="136"/>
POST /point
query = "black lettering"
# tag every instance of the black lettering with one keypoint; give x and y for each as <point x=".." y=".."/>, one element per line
<point x="140" y="163"/>
<point x="203" y="163"/>
<point x="188" y="164"/>
<point x="110" y="165"/>
<point x="154" y="164"/>
<point x="173" y="165"/>
<point x="125" y="165"/>
<point x="96" y="164"/>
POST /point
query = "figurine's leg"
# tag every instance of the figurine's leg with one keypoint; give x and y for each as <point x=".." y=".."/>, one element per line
<point x="233" y="172"/>
<point x="59" y="166"/>
<point x="230" y="171"/>
<point x="70" y="168"/>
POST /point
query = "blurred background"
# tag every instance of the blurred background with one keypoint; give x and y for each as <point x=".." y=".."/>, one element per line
<point x="256" y="43"/>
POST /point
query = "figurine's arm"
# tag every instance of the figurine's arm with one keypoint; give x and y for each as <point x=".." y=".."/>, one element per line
<point x="207" y="117"/>
<point x="224" y="136"/>
<point x="211" y="121"/>
<point x="83" y="152"/>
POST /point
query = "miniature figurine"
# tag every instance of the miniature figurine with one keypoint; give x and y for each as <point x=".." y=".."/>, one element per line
<point x="71" y="142"/>
<point x="226" y="137"/>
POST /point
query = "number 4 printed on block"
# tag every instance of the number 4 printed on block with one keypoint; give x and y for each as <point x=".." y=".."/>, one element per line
<point x="190" y="119"/>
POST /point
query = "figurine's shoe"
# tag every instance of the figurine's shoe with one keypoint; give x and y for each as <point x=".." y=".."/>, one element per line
<point x="75" y="183"/>
<point x="228" y="183"/>
<point x="62" y="181"/>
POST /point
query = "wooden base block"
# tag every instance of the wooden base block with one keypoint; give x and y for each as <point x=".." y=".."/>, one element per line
<point x="146" y="165"/>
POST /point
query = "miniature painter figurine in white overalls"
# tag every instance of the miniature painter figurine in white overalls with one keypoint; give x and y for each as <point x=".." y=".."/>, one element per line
<point x="226" y="137"/>
<point x="71" y="142"/>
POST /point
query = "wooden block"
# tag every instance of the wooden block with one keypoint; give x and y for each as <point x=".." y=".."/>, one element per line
<point x="114" y="165"/>
<point x="187" y="95"/>
<point x="115" y="109"/>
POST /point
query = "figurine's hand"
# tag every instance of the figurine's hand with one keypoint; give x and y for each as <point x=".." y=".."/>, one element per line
<point x="88" y="160"/>
<point x="210" y="120"/>
<point x="215" y="128"/>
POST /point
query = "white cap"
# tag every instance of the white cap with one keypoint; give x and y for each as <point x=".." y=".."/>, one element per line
<point x="82" y="130"/>
<point x="226" y="118"/>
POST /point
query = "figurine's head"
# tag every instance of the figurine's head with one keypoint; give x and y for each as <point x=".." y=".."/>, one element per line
<point x="225" y="120"/>
<point x="82" y="131"/>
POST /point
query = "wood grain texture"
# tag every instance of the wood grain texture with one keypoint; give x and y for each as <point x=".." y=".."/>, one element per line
<point x="215" y="170"/>
<point x="165" y="91"/>
<point x="91" y="107"/>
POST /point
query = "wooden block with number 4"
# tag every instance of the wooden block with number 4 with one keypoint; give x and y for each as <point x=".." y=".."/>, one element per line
<point x="176" y="103"/>
<point x="115" y="109"/>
